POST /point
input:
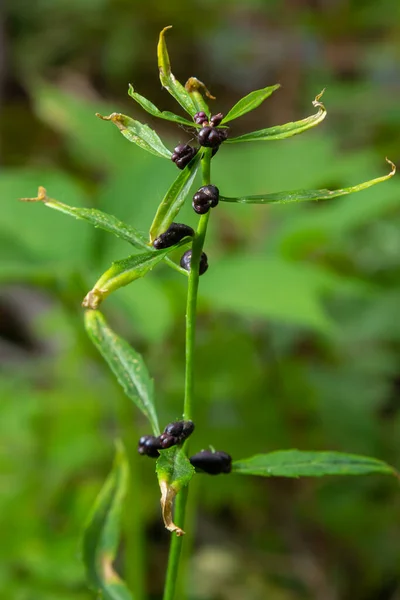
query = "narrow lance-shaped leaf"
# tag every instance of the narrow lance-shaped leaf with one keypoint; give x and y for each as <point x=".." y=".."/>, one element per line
<point x="153" y="110"/>
<point x="304" y="195"/>
<point x="174" y="198"/>
<point x="174" y="87"/>
<point x="141" y="135"/>
<point x="122" y="272"/>
<point x="296" y="463"/>
<point x="250" y="102"/>
<point x="101" y="220"/>
<point x="196" y="89"/>
<point x="127" y="365"/>
<point x="284" y="131"/>
<point x="102" y="532"/>
<point x="174" y="472"/>
<point x="96" y="217"/>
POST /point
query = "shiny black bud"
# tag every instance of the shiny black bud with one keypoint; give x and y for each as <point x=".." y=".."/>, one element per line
<point x="200" y="117"/>
<point x="174" y="234"/>
<point x="149" y="445"/>
<point x="186" y="260"/>
<point x="183" y="154"/>
<point x="201" y="207"/>
<point x="209" y="137"/>
<point x="166" y="440"/>
<point x="179" y="429"/>
<point x="216" y="119"/>
<point x="223" y="134"/>
<point x="213" y="463"/>
<point x="207" y="193"/>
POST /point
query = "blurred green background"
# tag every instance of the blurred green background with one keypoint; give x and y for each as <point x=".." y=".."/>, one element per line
<point x="299" y="329"/>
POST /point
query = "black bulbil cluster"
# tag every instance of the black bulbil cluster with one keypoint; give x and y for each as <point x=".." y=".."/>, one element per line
<point x="205" y="198"/>
<point x="174" y="433"/>
<point x="174" y="234"/>
<point x="183" y="154"/>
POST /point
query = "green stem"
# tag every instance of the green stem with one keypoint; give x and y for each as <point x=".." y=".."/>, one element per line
<point x="191" y="307"/>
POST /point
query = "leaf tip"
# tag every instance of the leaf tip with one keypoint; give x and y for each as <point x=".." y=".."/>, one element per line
<point x="92" y="299"/>
<point x="41" y="197"/>
<point x="168" y="494"/>
<point x="393" y="171"/>
<point x="316" y="101"/>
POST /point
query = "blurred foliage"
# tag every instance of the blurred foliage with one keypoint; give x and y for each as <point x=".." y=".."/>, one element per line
<point x="306" y="356"/>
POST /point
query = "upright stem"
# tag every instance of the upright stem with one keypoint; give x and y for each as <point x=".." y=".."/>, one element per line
<point x="191" y="306"/>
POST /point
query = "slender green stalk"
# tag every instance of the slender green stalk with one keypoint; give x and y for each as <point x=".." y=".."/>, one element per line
<point x="191" y="306"/>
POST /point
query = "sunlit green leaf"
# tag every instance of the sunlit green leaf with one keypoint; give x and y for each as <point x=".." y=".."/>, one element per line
<point x="250" y="102"/>
<point x="122" y="272"/>
<point x="283" y="131"/>
<point x="174" y="472"/>
<point x="174" y="198"/>
<point x="139" y="134"/>
<point x="153" y="110"/>
<point x="304" y="195"/>
<point x="196" y="89"/>
<point x="127" y="365"/>
<point x="296" y="463"/>
<point x="102" y="532"/>
<point x="174" y="87"/>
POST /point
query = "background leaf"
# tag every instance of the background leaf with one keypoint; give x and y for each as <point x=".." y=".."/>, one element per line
<point x="281" y="132"/>
<point x="249" y="102"/>
<point x="141" y="135"/>
<point x="174" y="198"/>
<point x="101" y="537"/>
<point x="296" y="463"/>
<point x="127" y="365"/>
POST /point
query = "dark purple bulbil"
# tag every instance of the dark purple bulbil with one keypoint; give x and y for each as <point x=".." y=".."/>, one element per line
<point x="149" y="445"/>
<point x="187" y="258"/>
<point x="205" y="198"/>
<point x="182" y="155"/>
<point x="200" y="118"/>
<point x="174" y="234"/>
<point x="213" y="463"/>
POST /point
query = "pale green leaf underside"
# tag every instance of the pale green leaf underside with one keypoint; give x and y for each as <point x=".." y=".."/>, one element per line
<point x="102" y="532"/>
<point x="174" y="467"/>
<point x="153" y="110"/>
<point x="127" y="365"/>
<point x="296" y="463"/>
<point x="141" y="135"/>
<point x="249" y="102"/>
<point x="125" y="271"/>
<point x="305" y="195"/>
<point x="280" y="132"/>
<point x="174" y="198"/>
<point x="168" y="81"/>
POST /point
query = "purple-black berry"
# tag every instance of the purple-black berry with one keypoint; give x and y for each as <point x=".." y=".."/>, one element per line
<point x="149" y="445"/>
<point x="186" y="260"/>
<point x="200" y="117"/>
<point x="174" y="234"/>
<point x="213" y="463"/>
<point x="209" y="193"/>
<point x="182" y="155"/>
<point x="209" y="137"/>
<point x="216" y="119"/>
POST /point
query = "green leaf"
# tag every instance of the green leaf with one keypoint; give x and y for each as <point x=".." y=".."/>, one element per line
<point x="174" y="198"/>
<point x="102" y="532"/>
<point x="195" y="87"/>
<point x="283" y="131"/>
<point x="139" y="134"/>
<point x="153" y="110"/>
<point x="296" y="463"/>
<point x="250" y="102"/>
<point x="96" y="217"/>
<point x="126" y="364"/>
<point x="174" y="472"/>
<point x="174" y="87"/>
<point x="122" y="272"/>
<point x="304" y="195"/>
